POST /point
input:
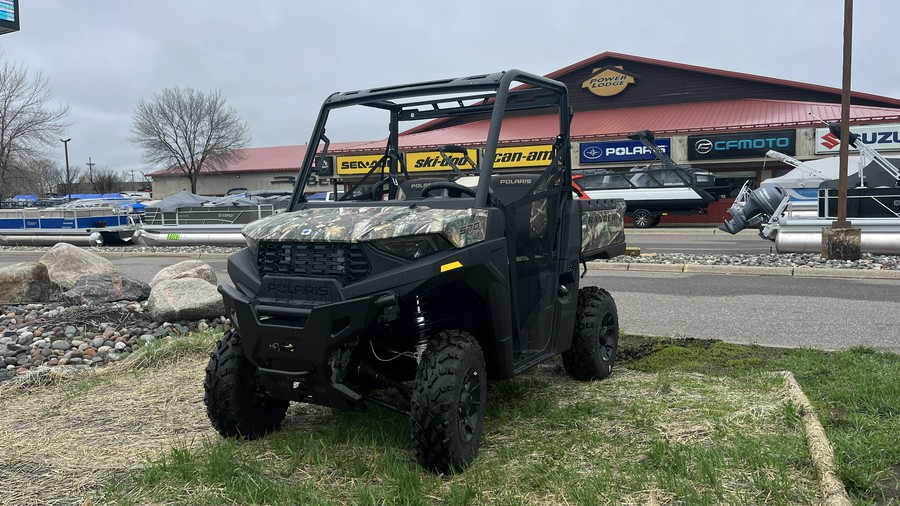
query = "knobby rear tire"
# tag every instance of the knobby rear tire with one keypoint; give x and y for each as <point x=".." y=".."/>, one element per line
<point x="595" y="342"/>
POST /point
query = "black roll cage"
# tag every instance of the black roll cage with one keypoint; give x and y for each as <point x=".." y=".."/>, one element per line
<point x="487" y="94"/>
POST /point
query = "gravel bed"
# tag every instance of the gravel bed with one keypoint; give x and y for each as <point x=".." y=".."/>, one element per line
<point x="867" y="261"/>
<point x="174" y="250"/>
<point x="34" y="337"/>
<point x="813" y="260"/>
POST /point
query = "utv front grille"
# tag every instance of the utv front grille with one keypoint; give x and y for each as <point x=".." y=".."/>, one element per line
<point x="346" y="262"/>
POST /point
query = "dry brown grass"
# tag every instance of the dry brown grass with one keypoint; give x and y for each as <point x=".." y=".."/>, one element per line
<point x="67" y="434"/>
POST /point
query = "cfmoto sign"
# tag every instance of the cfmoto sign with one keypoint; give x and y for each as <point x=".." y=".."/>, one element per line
<point x="703" y="146"/>
<point x="751" y="144"/>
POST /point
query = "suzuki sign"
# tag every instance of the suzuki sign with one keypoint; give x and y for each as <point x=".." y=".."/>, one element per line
<point x="878" y="137"/>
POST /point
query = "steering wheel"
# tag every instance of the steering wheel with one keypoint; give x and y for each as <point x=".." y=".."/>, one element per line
<point x="450" y="186"/>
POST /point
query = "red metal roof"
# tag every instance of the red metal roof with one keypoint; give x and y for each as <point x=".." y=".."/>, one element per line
<point x="690" y="118"/>
<point x="730" y="115"/>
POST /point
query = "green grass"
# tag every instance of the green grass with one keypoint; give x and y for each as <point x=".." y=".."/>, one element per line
<point x="656" y="431"/>
<point x="856" y="394"/>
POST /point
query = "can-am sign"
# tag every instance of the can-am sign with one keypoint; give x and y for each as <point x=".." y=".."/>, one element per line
<point x="750" y="144"/>
<point x="878" y="137"/>
<point x="620" y="151"/>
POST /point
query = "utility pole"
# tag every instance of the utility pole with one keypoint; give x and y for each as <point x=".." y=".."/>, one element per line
<point x="68" y="174"/>
<point x="843" y="154"/>
<point x="842" y="241"/>
<point x="90" y="165"/>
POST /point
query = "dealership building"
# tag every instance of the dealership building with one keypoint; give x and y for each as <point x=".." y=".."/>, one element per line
<point x="716" y="120"/>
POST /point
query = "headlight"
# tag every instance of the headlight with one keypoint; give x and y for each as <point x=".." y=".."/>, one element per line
<point x="253" y="244"/>
<point x="412" y="248"/>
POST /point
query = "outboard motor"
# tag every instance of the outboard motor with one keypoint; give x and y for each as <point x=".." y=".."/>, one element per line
<point x="761" y="201"/>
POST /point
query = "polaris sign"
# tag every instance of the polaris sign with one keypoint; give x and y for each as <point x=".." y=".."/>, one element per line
<point x="877" y="137"/>
<point x="751" y="144"/>
<point x="620" y="151"/>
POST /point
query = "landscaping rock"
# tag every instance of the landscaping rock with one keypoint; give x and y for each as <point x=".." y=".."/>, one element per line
<point x="187" y="269"/>
<point x="24" y="282"/>
<point x="67" y="263"/>
<point x="184" y="299"/>
<point x="112" y="287"/>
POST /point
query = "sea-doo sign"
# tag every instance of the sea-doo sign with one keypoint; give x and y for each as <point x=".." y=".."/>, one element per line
<point x="356" y="164"/>
<point x="878" y="137"/>
<point x="608" y="81"/>
<point x="750" y="144"/>
<point x="620" y="151"/>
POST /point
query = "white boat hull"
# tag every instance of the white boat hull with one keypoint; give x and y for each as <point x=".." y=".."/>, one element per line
<point x="186" y="236"/>
<point x="878" y="236"/>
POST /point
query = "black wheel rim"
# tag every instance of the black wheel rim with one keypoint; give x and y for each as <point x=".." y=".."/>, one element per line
<point x="469" y="406"/>
<point x="608" y="336"/>
<point x="257" y="390"/>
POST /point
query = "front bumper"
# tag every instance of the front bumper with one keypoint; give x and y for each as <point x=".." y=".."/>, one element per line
<point x="293" y="347"/>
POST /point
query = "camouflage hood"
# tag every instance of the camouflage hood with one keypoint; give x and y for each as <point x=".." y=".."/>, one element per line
<point x="460" y="227"/>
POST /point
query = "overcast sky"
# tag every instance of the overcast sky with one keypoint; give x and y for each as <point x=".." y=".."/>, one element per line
<point x="276" y="60"/>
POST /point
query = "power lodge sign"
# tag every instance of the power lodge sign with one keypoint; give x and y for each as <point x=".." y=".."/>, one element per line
<point x="608" y="81"/>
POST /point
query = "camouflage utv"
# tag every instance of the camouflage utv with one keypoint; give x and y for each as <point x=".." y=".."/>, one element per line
<point x="410" y="293"/>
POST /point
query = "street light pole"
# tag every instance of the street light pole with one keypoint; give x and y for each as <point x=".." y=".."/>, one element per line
<point x="68" y="174"/>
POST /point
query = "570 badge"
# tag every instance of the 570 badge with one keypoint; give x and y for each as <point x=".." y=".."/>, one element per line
<point x="475" y="226"/>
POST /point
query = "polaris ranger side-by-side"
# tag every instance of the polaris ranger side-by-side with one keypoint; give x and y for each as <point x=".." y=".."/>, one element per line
<point x="421" y="287"/>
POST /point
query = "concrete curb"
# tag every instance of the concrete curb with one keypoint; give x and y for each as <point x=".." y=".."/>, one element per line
<point x="738" y="269"/>
<point x="810" y="272"/>
<point x="656" y="267"/>
<point x="749" y="270"/>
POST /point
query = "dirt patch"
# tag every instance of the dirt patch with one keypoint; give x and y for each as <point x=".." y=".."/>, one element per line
<point x="890" y="487"/>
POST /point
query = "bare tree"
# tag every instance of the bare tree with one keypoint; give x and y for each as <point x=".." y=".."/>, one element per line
<point x="106" y="180"/>
<point x="50" y="175"/>
<point x="189" y="131"/>
<point x="21" y="181"/>
<point x="28" y="123"/>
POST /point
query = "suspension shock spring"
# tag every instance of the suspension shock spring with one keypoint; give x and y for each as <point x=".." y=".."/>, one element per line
<point x="422" y="323"/>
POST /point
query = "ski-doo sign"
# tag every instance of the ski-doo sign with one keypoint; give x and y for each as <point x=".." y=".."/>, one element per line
<point x="429" y="161"/>
<point x="620" y="151"/>
<point x="878" y="137"/>
<point x="751" y="144"/>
